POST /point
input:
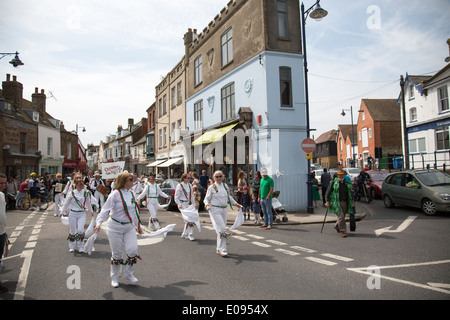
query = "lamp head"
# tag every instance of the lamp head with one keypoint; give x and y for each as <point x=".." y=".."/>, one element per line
<point x="343" y="113"/>
<point x="318" y="13"/>
<point x="16" y="61"/>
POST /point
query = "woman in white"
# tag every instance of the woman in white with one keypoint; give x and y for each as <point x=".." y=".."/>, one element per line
<point x="216" y="201"/>
<point x="152" y="192"/>
<point x="78" y="203"/>
<point x="184" y="197"/>
<point x="123" y="223"/>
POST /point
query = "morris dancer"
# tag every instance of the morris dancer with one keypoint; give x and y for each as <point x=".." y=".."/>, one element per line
<point x="184" y="197"/>
<point x="58" y="195"/>
<point x="123" y="222"/>
<point x="216" y="200"/>
<point x="152" y="193"/>
<point x="78" y="201"/>
<point x="96" y="183"/>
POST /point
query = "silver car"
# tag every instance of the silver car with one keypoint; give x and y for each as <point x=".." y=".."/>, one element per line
<point x="428" y="190"/>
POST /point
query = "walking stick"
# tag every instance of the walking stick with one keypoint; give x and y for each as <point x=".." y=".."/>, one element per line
<point x="323" y="224"/>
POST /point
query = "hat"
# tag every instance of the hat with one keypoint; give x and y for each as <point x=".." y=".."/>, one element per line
<point x="58" y="175"/>
<point x="245" y="188"/>
<point x="33" y="174"/>
<point x="340" y="171"/>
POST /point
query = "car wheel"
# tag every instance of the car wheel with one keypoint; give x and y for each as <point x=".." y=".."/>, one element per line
<point x="428" y="207"/>
<point x="388" y="203"/>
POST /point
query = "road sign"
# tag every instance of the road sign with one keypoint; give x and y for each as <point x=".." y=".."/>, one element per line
<point x="309" y="145"/>
<point x="309" y="156"/>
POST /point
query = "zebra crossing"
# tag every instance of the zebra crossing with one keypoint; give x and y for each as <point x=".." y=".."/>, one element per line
<point x="311" y="255"/>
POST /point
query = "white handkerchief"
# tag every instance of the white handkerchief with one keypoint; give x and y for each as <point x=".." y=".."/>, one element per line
<point x="239" y="220"/>
<point x="89" y="245"/>
<point x="90" y="229"/>
<point x="159" y="233"/>
<point x="65" y="220"/>
<point x="191" y="215"/>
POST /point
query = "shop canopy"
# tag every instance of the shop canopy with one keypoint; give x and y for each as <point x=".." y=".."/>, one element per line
<point x="213" y="135"/>
<point x="156" y="163"/>
<point x="170" y="162"/>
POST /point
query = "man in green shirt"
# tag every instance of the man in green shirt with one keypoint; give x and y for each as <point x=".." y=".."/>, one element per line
<point x="265" y="197"/>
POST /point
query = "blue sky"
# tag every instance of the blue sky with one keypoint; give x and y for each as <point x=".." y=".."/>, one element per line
<point x="102" y="59"/>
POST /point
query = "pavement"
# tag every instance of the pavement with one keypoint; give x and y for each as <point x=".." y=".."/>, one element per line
<point x="294" y="218"/>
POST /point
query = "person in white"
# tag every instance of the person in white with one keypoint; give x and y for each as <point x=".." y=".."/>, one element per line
<point x="152" y="192"/>
<point x="123" y="223"/>
<point x="217" y="199"/>
<point x="59" y="196"/>
<point x="95" y="184"/>
<point x="137" y="186"/>
<point x="78" y="204"/>
<point x="184" y="197"/>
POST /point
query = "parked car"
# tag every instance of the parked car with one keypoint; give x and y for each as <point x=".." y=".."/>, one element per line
<point x="428" y="190"/>
<point x="352" y="172"/>
<point x="375" y="185"/>
<point x="315" y="166"/>
<point x="168" y="186"/>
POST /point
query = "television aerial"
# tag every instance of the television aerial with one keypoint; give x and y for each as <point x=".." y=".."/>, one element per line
<point x="51" y="95"/>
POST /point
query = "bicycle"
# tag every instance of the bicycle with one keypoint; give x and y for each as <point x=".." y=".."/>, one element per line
<point x="27" y="202"/>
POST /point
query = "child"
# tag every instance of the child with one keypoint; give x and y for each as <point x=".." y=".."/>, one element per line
<point x="245" y="202"/>
<point x="256" y="208"/>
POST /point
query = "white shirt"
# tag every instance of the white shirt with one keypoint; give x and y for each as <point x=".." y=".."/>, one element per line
<point x="180" y="195"/>
<point x="115" y="207"/>
<point x="152" y="191"/>
<point x="83" y="197"/>
<point x="219" y="198"/>
<point x="137" y="188"/>
<point x="95" y="184"/>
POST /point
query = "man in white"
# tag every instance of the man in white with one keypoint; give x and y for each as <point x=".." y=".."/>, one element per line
<point x="216" y="201"/>
<point x="184" y="197"/>
<point x="152" y="192"/>
<point x="137" y="186"/>
<point x="95" y="185"/>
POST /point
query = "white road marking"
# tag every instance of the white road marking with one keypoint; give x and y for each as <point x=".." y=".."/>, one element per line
<point x="303" y="249"/>
<point x="401" y="228"/>
<point x="333" y="256"/>
<point x="19" y="294"/>
<point x="289" y="252"/>
<point x="240" y="238"/>
<point x="321" y="261"/>
<point x="279" y="243"/>
<point x="255" y="236"/>
<point x="264" y="245"/>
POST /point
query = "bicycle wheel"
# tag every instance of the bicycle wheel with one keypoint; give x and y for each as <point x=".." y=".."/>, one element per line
<point x="44" y="203"/>
<point x="27" y="203"/>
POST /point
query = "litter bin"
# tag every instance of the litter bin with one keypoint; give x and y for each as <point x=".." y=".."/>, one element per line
<point x="398" y="162"/>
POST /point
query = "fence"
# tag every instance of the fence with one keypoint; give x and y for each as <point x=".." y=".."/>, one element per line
<point x="439" y="160"/>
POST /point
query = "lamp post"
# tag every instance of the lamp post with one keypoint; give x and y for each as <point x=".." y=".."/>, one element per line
<point x="317" y="14"/>
<point x="353" y="133"/>
<point x="16" y="62"/>
<point x="84" y="129"/>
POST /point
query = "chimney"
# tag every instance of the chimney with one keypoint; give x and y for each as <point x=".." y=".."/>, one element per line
<point x="13" y="91"/>
<point x="188" y="38"/>
<point x="448" y="58"/>
<point x="38" y="101"/>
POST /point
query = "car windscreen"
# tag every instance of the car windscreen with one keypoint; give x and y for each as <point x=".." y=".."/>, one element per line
<point x="434" y="178"/>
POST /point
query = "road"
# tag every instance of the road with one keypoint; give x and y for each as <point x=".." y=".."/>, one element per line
<point x="289" y="262"/>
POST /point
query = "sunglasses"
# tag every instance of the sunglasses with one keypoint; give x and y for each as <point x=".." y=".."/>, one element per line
<point x="218" y="177"/>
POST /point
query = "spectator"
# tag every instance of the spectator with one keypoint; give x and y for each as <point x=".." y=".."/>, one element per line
<point x="3" y="236"/>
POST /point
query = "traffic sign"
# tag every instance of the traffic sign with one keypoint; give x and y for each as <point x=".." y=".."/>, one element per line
<point x="308" y="145"/>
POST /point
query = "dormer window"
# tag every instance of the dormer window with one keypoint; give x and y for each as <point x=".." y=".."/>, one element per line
<point x="411" y="91"/>
<point x="35" y="116"/>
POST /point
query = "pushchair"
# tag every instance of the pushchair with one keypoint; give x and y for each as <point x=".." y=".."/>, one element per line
<point x="278" y="212"/>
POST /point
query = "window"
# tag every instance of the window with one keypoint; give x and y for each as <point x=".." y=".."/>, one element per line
<point x="396" y="179"/>
<point x="49" y="146"/>
<point x="370" y="133"/>
<point x="442" y="138"/>
<point x="179" y="93"/>
<point x="227" y="47"/>
<point x="173" y="102"/>
<point x="165" y="104"/>
<point x="160" y="111"/>
<point x="198" y="115"/>
<point x="160" y="138"/>
<point x="283" y="22"/>
<point x="198" y="66"/>
<point x="23" y="139"/>
<point x="286" y="87"/>
<point x="165" y="136"/>
<point x="411" y="91"/>
<point x="363" y="115"/>
<point x="443" y="99"/>
<point x="417" y="145"/>
<point x="69" y="150"/>
<point x="228" y="102"/>
<point x="365" y="140"/>
<point x="172" y="137"/>
<point x="413" y="114"/>
<point x="150" y="145"/>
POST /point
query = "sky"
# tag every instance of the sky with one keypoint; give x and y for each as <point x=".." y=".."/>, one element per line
<point x="102" y="59"/>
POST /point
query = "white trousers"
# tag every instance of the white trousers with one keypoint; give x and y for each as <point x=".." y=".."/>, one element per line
<point x="100" y="198"/>
<point x="220" y="218"/>
<point x="76" y="228"/>
<point x="59" y="201"/>
<point x="120" y="236"/>
<point x="152" y="203"/>
<point x="187" y="230"/>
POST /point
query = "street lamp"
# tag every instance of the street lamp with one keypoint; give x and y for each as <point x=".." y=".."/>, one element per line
<point x="317" y="14"/>
<point x="16" y="62"/>
<point x="84" y="129"/>
<point x="353" y="133"/>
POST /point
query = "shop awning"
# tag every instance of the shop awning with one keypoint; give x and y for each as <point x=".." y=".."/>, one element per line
<point x="213" y="135"/>
<point x="170" y="162"/>
<point x="156" y="163"/>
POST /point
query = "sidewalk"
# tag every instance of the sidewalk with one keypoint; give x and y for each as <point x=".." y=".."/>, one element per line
<point x="294" y="218"/>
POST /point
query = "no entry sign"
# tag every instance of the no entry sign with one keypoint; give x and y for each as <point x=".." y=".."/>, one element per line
<point x="308" y="145"/>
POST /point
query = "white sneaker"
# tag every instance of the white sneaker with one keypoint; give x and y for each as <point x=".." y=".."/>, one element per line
<point x="191" y="237"/>
<point x="222" y="253"/>
<point x="114" y="283"/>
<point x="131" y="278"/>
